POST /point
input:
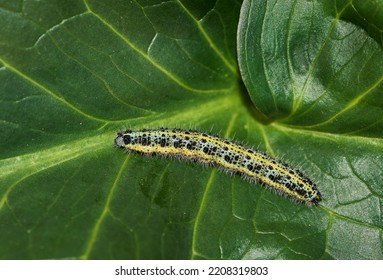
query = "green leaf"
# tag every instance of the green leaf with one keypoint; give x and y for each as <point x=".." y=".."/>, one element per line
<point x="73" y="73"/>
<point x="315" y="65"/>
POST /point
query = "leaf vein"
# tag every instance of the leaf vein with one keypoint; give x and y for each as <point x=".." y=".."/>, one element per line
<point x="317" y="56"/>
<point x="50" y="92"/>
<point x="104" y="213"/>
<point x="205" y="35"/>
<point x="168" y="74"/>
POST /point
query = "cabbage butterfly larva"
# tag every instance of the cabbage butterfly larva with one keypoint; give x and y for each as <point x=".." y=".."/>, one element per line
<point x="230" y="157"/>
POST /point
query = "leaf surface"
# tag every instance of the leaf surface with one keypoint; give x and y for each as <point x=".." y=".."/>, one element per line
<point x="73" y="74"/>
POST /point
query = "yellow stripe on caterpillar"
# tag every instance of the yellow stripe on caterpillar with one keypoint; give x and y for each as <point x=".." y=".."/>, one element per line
<point x="228" y="156"/>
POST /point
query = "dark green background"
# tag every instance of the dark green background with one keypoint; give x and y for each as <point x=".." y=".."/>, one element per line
<point x="301" y="80"/>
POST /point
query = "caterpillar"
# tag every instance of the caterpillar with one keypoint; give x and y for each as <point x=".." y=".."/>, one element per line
<point x="230" y="157"/>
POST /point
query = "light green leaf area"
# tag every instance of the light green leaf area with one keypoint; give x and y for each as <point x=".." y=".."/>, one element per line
<point x="73" y="73"/>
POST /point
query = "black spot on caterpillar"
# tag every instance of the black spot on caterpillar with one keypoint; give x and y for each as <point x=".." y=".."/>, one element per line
<point x="228" y="156"/>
